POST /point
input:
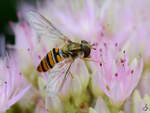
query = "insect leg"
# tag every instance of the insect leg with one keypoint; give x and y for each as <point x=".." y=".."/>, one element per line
<point x="71" y="74"/>
<point x="90" y="59"/>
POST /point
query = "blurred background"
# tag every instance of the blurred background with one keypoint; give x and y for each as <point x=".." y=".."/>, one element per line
<point x="8" y="14"/>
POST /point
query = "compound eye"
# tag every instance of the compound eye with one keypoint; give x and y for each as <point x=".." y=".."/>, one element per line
<point x="87" y="52"/>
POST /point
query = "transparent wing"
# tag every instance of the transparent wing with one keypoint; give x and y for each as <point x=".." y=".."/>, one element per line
<point x="59" y="80"/>
<point x="44" y="27"/>
<point x="58" y="76"/>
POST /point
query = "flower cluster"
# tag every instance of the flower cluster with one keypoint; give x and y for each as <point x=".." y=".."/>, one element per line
<point x="114" y="74"/>
<point x="12" y="84"/>
<point x="118" y="31"/>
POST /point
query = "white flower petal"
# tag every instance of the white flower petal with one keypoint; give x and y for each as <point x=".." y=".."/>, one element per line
<point x="101" y="106"/>
<point x="91" y="110"/>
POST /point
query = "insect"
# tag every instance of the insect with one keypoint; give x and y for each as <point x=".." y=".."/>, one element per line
<point x="58" y="60"/>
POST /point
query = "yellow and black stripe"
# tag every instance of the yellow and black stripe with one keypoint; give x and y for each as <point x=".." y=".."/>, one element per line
<point x="48" y="62"/>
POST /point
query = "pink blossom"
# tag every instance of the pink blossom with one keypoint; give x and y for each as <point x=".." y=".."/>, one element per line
<point x="29" y="46"/>
<point x="26" y="40"/>
<point x="13" y="85"/>
<point x="84" y="21"/>
<point x="144" y="84"/>
<point x="115" y="74"/>
<point x="100" y="107"/>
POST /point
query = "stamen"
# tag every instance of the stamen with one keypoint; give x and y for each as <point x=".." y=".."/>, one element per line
<point x="122" y="60"/>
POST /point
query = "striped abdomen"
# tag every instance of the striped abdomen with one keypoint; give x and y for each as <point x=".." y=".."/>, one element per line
<point x="52" y="57"/>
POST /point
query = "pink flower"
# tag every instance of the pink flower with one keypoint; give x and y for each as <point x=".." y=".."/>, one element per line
<point x="115" y="74"/>
<point x="101" y="107"/>
<point x="92" y="21"/>
<point x="13" y="85"/>
<point x="144" y="84"/>
<point x="26" y="40"/>
<point x="84" y="21"/>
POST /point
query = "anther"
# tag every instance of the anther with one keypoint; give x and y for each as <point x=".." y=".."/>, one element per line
<point x="116" y="44"/>
<point x="39" y="57"/>
<point x="100" y="50"/>
<point x="116" y="74"/>
<point x="122" y="60"/>
<point x="105" y="44"/>
<point x="100" y="64"/>
<point x="132" y="71"/>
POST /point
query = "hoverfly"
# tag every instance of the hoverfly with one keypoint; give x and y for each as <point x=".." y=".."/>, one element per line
<point x="59" y="58"/>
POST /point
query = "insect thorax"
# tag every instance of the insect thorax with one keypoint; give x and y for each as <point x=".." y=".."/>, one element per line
<point x="77" y="49"/>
